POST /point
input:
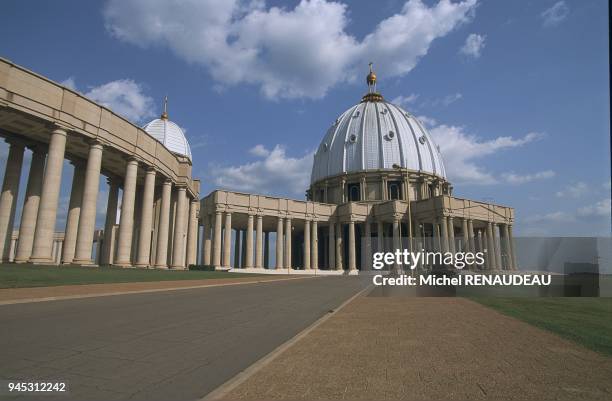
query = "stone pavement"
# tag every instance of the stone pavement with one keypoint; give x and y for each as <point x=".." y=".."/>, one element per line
<point x="169" y="345"/>
<point x="429" y="349"/>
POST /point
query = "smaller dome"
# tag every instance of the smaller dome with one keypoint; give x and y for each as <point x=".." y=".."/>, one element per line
<point x="169" y="134"/>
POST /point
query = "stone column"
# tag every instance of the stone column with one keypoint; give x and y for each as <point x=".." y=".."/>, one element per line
<point x="216" y="256"/>
<point x="143" y="257"/>
<point x="163" y="233"/>
<point x="490" y="247"/>
<point x="396" y="237"/>
<point x="207" y="243"/>
<point x="126" y="224"/>
<point x="465" y="246"/>
<point x="47" y="209"/>
<point x="87" y="219"/>
<point x="279" y="243"/>
<point x="514" y="263"/>
<point x="351" y="245"/>
<point x="178" y="248"/>
<point x="496" y="243"/>
<point x="30" y="205"/>
<point x="307" y="249"/>
<point x="288" y="234"/>
<point x="507" y="247"/>
<point x="259" y="243"/>
<point x="472" y="245"/>
<point x="108" y="244"/>
<point x="339" y="247"/>
<point x="192" y="234"/>
<point x="266" y="261"/>
<point x="444" y="234"/>
<point x="8" y="197"/>
<point x="243" y="250"/>
<point x="314" y="257"/>
<point x="248" y="261"/>
<point x="237" y="248"/>
<point x="11" y="250"/>
<point x="367" y="258"/>
<point x="227" y="240"/>
<point x="332" y="247"/>
<point x="363" y="189"/>
<point x="451" y="234"/>
<point x="380" y="229"/>
<point x="383" y="188"/>
<point x="74" y="213"/>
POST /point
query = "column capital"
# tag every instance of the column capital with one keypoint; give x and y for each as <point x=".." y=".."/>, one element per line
<point x="150" y="170"/>
<point x="59" y="129"/>
<point x="94" y="142"/>
<point x="38" y="147"/>
<point x="15" y="142"/>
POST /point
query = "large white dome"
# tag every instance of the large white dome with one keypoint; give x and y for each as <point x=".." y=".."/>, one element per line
<point x="373" y="135"/>
<point x="170" y="135"/>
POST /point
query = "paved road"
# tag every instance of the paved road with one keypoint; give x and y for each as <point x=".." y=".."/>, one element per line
<point x="168" y="345"/>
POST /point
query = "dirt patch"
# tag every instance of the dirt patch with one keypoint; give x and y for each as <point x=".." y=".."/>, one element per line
<point x="429" y="349"/>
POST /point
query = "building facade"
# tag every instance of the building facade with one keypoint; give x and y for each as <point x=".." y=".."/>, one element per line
<point x="378" y="183"/>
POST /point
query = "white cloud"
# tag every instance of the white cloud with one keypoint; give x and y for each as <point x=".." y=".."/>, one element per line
<point x="590" y="220"/>
<point x="555" y="15"/>
<point x="449" y="99"/>
<point x="289" y="53"/>
<point x="473" y="45"/>
<point x="575" y="191"/>
<point x="69" y="83"/>
<point x="428" y="121"/>
<point x="259" y="150"/>
<point x="513" y="178"/>
<point x="124" y="97"/>
<point x="461" y="151"/>
<point x="552" y="217"/>
<point x="599" y="209"/>
<point x="273" y="173"/>
<point x="405" y="100"/>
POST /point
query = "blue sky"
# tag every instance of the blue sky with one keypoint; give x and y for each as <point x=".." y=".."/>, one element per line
<point x="515" y="93"/>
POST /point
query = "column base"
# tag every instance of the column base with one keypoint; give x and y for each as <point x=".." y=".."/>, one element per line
<point x="142" y="265"/>
<point x="41" y="261"/>
<point x="84" y="262"/>
<point x="21" y="261"/>
<point x="122" y="264"/>
<point x="162" y="267"/>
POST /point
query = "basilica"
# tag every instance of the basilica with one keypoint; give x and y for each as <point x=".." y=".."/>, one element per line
<point x="378" y="183"/>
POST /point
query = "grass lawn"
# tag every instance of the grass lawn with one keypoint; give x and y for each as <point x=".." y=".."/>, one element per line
<point x="15" y="276"/>
<point x="586" y="321"/>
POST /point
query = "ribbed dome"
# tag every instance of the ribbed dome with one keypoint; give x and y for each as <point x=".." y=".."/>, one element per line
<point x="170" y="135"/>
<point x="376" y="135"/>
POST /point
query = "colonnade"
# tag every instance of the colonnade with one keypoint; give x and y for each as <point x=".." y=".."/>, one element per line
<point x="155" y="214"/>
<point x="252" y="244"/>
<point x="495" y="240"/>
<point x="345" y="244"/>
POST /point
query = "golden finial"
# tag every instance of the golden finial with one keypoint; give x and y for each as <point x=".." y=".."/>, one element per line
<point x="372" y="95"/>
<point x="371" y="78"/>
<point x="164" y="115"/>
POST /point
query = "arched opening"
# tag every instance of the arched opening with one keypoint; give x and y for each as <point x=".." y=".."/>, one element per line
<point x="354" y="192"/>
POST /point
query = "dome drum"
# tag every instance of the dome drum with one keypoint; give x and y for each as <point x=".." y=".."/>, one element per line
<point x="378" y="186"/>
